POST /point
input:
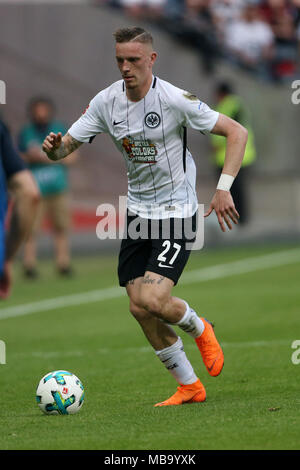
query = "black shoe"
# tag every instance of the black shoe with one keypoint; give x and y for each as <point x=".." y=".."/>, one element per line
<point x="66" y="271"/>
<point x="31" y="273"/>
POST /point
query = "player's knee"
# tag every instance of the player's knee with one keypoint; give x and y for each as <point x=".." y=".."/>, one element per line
<point x="152" y="304"/>
<point x="139" y="313"/>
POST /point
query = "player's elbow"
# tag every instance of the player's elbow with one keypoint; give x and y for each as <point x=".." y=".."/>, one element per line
<point x="244" y="134"/>
<point x="231" y="129"/>
<point x="238" y="133"/>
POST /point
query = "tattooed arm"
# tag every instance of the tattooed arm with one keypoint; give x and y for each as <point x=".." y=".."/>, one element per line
<point x="57" y="147"/>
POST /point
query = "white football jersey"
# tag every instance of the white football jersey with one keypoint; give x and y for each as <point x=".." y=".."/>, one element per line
<point x="151" y="135"/>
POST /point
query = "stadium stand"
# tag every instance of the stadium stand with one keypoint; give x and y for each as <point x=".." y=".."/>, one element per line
<point x="260" y="36"/>
<point x="72" y="68"/>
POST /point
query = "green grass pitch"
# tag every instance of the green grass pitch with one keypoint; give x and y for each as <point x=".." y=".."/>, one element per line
<point x="253" y="404"/>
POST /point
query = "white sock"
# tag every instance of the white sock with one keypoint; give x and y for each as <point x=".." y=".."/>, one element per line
<point x="191" y="323"/>
<point x="175" y="360"/>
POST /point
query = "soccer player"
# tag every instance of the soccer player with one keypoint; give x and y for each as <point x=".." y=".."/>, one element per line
<point x="16" y="179"/>
<point x="147" y="118"/>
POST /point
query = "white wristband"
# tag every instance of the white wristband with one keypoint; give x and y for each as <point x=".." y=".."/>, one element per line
<point x="225" y="182"/>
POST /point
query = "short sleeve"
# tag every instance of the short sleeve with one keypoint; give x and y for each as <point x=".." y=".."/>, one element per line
<point x="192" y="112"/>
<point x="11" y="160"/>
<point x="90" y="123"/>
<point x="200" y="116"/>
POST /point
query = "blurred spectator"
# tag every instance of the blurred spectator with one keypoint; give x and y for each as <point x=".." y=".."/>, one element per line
<point x="232" y="105"/>
<point x="191" y="21"/>
<point x="18" y="181"/>
<point x="224" y="13"/>
<point x="282" y="17"/>
<point x="174" y="9"/>
<point x="198" y="29"/>
<point x="262" y="36"/>
<point x="139" y="9"/>
<point x="296" y="6"/>
<point x="284" y="64"/>
<point x="270" y="9"/>
<point x="250" y="41"/>
<point x="52" y="180"/>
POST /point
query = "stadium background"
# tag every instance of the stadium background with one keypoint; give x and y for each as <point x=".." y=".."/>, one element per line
<point x="67" y="53"/>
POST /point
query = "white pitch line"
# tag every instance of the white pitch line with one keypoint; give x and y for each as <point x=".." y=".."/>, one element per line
<point x="243" y="266"/>
<point x="61" y="302"/>
<point x="145" y="349"/>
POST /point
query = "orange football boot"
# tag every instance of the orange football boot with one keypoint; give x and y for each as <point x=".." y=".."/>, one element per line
<point x="210" y="349"/>
<point x="191" y="393"/>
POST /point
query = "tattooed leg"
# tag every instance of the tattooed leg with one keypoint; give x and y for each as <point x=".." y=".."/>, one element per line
<point x="155" y="297"/>
<point x="159" y="334"/>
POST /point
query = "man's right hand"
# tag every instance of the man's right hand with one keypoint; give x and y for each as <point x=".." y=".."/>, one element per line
<point x="57" y="146"/>
<point x="51" y="143"/>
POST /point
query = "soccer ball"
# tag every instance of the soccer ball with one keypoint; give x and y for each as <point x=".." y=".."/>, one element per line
<point x="60" y="393"/>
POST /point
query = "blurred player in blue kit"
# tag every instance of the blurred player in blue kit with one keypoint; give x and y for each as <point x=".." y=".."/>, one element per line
<point x="16" y="180"/>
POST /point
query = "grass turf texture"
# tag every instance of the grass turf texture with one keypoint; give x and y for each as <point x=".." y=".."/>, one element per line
<point x="253" y="404"/>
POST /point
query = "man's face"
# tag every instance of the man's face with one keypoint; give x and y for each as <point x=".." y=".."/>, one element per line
<point x="41" y="113"/>
<point x="135" y="61"/>
<point x="251" y="13"/>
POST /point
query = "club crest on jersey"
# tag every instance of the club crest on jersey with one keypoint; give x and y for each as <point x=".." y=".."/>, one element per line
<point x="152" y="120"/>
<point x="139" y="151"/>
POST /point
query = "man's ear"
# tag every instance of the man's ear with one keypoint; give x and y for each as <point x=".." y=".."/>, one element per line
<point x="153" y="57"/>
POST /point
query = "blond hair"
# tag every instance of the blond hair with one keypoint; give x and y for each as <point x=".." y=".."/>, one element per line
<point x="133" y="34"/>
